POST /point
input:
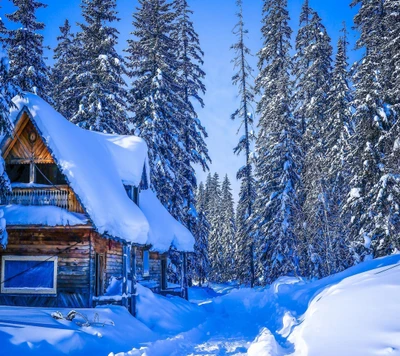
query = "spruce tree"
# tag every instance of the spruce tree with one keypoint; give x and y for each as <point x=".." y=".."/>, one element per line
<point x="214" y="216"/>
<point x="228" y="231"/>
<point x="336" y="134"/>
<point x="190" y="59"/>
<point x="244" y="245"/>
<point x="391" y="53"/>
<point x="277" y="150"/>
<point x="63" y="75"/>
<point x="312" y="71"/>
<point x="100" y="87"/>
<point x="7" y="91"/>
<point x="28" y="70"/>
<point x="201" y="262"/>
<point x="156" y="100"/>
<point x="372" y="202"/>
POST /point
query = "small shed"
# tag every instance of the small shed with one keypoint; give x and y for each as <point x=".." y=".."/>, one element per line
<point x="80" y="215"/>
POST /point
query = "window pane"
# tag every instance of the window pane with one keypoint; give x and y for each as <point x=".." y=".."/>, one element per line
<point x="18" y="173"/>
<point x="146" y="263"/>
<point x="51" y="172"/>
<point x="29" y="274"/>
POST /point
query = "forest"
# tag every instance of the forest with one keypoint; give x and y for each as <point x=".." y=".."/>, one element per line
<point x="320" y="178"/>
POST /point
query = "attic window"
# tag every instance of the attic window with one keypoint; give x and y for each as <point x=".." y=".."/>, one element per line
<point x="46" y="173"/>
<point x="18" y="173"/>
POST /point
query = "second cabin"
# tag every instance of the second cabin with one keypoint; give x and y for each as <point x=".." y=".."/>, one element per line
<point x="83" y="225"/>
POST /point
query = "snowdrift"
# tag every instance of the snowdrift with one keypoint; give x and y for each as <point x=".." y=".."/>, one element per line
<point x="353" y="313"/>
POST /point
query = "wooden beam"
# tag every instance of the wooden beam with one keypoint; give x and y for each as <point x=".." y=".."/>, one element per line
<point x="124" y="291"/>
<point x="133" y="282"/>
<point x="184" y="281"/>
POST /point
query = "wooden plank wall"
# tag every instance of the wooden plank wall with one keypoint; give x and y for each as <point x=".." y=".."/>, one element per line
<point x="22" y="150"/>
<point x="72" y="247"/>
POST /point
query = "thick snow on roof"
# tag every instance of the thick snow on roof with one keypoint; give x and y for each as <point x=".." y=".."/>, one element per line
<point x="163" y="224"/>
<point x="42" y="215"/>
<point x="96" y="166"/>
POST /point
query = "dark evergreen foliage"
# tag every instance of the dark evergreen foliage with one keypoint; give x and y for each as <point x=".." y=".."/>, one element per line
<point x="28" y="70"/>
<point x="100" y="90"/>
<point x="277" y="150"/>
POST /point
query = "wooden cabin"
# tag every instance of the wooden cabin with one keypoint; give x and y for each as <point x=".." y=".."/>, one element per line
<point x="80" y="217"/>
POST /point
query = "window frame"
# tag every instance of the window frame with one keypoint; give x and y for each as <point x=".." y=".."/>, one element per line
<point x="35" y="291"/>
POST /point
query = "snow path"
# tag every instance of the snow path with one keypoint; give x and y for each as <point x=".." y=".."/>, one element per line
<point x="353" y="313"/>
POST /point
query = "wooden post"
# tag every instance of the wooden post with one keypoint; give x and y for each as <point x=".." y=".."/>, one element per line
<point x="184" y="282"/>
<point x="91" y="271"/>
<point x="133" y="281"/>
<point x="125" y="250"/>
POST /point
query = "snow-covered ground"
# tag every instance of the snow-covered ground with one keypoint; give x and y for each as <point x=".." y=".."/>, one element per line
<point x="354" y="313"/>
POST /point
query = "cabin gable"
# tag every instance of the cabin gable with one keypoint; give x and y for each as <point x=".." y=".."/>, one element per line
<point x="27" y="144"/>
<point x="34" y="174"/>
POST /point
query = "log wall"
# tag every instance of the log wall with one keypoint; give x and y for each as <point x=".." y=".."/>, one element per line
<point x="75" y="250"/>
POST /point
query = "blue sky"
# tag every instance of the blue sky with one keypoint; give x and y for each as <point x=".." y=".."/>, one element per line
<point x="214" y="20"/>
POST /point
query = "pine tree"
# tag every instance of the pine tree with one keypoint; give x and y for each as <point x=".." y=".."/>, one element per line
<point x="7" y="91"/>
<point x="156" y="100"/>
<point x="201" y="263"/>
<point x="336" y="134"/>
<point x="277" y="150"/>
<point x="312" y="70"/>
<point x="214" y="216"/>
<point x="228" y="231"/>
<point x="190" y="59"/>
<point x="391" y="53"/>
<point x="25" y="50"/>
<point x="63" y="73"/>
<point x="374" y="186"/>
<point x="244" y="246"/>
<point x="100" y="88"/>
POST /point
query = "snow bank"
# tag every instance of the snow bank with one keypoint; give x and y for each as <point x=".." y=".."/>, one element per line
<point x="96" y="166"/>
<point x="353" y="313"/>
<point x="32" y="331"/>
<point x="42" y="215"/>
<point x="167" y="315"/>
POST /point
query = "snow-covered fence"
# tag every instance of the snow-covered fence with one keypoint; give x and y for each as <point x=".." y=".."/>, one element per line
<point x="55" y="196"/>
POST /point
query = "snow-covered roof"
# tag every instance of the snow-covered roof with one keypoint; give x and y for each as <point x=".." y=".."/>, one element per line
<point x="96" y="166"/>
<point x="42" y="215"/>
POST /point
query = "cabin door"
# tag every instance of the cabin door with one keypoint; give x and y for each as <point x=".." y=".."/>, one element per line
<point x="100" y="271"/>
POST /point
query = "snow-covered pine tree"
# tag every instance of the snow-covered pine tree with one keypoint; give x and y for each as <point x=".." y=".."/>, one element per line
<point x="312" y="71"/>
<point x="277" y="149"/>
<point x="100" y="88"/>
<point x="63" y="75"/>
<point x="200" y="262"/>
<point x="25" y="50"/>
<point x="190" y="59"/>
<point x="214" y="217"/>
<point x="391" y="52"/>
<point x="336" y="135"/>
<point x="244" y="245"/>
<point x="157" y="102"/>
<point x="373" y="199"/>
<point x="228" y="231"/>
<point x="7" y="91"/>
